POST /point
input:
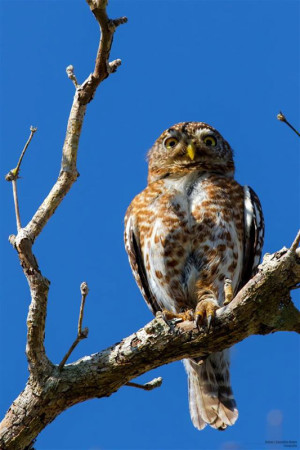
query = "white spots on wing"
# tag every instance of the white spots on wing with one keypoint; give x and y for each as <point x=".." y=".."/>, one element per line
<point x="248" y="210"/>
<point x="253" y="218"/>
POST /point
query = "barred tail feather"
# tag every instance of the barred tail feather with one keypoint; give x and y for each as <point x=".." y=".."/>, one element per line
<point x="210" y="395"/>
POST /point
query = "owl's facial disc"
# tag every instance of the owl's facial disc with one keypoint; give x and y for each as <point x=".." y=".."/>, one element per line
<point x="190" y="146"/>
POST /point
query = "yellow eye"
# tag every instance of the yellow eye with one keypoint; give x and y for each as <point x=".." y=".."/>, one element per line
<point x="210" y="141"/>
<point x="170" y="142"/>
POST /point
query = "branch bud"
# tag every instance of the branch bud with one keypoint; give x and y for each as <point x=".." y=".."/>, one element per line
<point x="84" y="289"/>
<point x="112" y="66"/>
<point x="281" y="117"/>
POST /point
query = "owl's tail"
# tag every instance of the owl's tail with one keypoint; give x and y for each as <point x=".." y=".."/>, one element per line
<point x="210" y="395"/>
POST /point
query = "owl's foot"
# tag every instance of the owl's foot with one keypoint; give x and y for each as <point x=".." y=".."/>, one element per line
<point x="206" y="308"/>
<point x="186" y="315"/>
<point x="228" y="292"/>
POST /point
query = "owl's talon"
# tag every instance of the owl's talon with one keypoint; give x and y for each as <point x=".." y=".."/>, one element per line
<point x="169" y="315"/>
<point x="209" y="321"/>
<point x="206" y="308"/>
<point x="228" y="291"/>
<point x="198" y="321"/>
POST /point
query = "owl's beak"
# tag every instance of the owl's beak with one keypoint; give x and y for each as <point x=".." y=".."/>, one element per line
<point x="191" y="151"/>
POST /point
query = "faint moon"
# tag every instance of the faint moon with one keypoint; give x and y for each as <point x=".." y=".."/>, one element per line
<point x="275" y="417"/>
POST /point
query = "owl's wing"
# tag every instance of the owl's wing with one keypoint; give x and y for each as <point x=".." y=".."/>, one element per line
<point x="135" y="256"/>
<point x="254" y="234"/>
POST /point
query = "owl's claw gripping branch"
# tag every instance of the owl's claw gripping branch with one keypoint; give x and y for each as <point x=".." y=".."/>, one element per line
<point x="206" y="308"/>
<point x="228" y="291"/>
<point x="186" y="315"/>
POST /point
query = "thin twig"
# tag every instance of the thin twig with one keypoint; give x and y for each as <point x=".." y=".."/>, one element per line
<point x="282" y="118"/>
<point x="13" y="175"/>
<point x="155" y="383"/>
<point x="84" y="289"/>
<point x="72" y="76"/>
<point x="81" y="333"/>
<point x="16" y="202"/>
<point x="295" y="244"/>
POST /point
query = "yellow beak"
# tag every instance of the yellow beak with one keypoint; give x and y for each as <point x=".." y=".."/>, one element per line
<point x="191" y="151"/>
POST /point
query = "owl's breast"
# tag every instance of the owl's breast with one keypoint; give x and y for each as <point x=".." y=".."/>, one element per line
<point x="192" y="234"/>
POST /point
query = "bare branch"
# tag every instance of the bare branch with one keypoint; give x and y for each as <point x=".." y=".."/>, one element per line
<point x="282" y="118"/>
<point x="102" y="66"/>
<point x="81" y="333"/>
<point x="84" y="94"/>
<point x="71" y="75"/>
<point x="263" y="306"/>
<point x="295" y="244"/>
<point x="16" y="203"/>
<point x="39" y="285"/>
<point x="84" y="289"/>
<point x="153" y="384"/>
<point x="13" y="175"/>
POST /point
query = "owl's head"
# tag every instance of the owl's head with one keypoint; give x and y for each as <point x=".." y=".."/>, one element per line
<point x="190" y="146"/>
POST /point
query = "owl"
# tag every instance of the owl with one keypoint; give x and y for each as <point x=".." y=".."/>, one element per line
<point x="194" y="237"/>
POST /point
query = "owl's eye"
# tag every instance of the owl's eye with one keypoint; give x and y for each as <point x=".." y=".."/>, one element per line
<point x="170" y="142"/>
<point x="210" y="141"/>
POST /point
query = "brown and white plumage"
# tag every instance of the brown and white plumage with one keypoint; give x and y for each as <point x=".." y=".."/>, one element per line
<point x="191" y="228"/>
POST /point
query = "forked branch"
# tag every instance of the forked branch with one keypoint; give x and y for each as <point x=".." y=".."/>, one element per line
<point x="13" y="175"/>
<point x="81" y="333"/>
<point x="25" y="238"/>
<point x="263" y="306"/>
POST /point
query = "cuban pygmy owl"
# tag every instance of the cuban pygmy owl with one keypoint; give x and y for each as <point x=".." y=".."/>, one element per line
<point x="190" y="233"/>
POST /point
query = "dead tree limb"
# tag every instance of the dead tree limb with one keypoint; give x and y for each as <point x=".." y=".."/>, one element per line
<point x="263" y="306"/>
<point x="39" y="285"/>
<point x="81" y="333"/>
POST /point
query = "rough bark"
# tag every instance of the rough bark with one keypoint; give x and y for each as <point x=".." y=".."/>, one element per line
<point x="263" y="306"/>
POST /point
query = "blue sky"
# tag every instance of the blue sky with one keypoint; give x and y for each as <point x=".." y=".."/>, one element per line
<point x="232" y="64"/>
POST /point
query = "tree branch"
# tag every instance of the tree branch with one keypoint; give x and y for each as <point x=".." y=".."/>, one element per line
<point x="13" y="175"/>
<point x="153" y="384"/>
<point x="39" y="366"/>
<point x="81" y="334"/>
<point x="39" y="285"/>
<point x="282" y="118"/>
<point x="263" y="306"/>
<point x="84" y="94"/>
